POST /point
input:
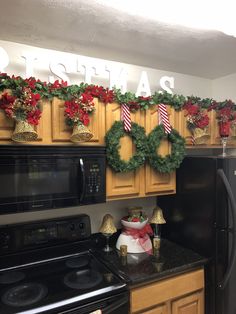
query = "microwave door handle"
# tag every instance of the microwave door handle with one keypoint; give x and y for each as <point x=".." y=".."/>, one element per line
<point x="81" y="163"/>
<point x="232" y="259"/>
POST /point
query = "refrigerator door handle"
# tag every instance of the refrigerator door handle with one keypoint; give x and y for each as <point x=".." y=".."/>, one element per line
<point x="232" y="259"/>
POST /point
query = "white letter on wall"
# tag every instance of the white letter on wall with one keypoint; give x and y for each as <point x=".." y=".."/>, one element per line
<point x="89" y="70"/>
<point x="29" y="63"/>
<point x="117" y="77"/>
<point x="59" y="68"/>
<point x="168" y="79"/>
<point x="4" y="59"/>
<point x="143" y="86"/>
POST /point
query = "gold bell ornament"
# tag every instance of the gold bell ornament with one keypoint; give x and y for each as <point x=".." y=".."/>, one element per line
<point x="80" y="134"/>
<point x="107" y="229"/>
<point x="24" y="132"/>
<point x="157" y="220"/>
<point x="200" y="135"/>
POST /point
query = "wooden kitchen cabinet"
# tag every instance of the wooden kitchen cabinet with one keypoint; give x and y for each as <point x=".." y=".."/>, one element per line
<point x="52" y="128"/>
<point x="7" y="126"/>
<point x="145" y="181"/>
<point x="162" y="309"/>
<point x="61" y="132"/>
<point x="191" y="304"/>
<point x="213" y="130"/>
<point x="123" y="185"/>
<point x="215" y="136"/>
<point x="182" y="294"/>
<point x="181" y="126"/>
<point x="156" y="182"/>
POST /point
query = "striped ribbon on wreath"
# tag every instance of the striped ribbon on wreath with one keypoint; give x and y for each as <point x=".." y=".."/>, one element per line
<point x="163" y="118"/>
<point x="125" y="117"/>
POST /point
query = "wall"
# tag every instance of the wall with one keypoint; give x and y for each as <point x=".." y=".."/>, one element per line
<point x="117" y="209"/>
<point x="184" y="84"/>
<point x="224" y="88"/>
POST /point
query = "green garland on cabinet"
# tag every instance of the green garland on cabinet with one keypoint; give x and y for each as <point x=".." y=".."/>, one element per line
<point x="64" y="92"/>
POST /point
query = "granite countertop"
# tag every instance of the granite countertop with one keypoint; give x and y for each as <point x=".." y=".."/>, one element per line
<point x="137" y="269"/>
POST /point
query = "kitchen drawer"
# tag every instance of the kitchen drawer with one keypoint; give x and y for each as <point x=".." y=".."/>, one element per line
<point x="166" y="290"/>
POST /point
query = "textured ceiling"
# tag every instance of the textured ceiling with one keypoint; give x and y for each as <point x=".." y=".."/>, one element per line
<point x="86" y="27"/>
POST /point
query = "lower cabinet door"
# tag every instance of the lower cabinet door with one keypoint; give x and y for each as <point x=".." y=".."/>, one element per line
<point x="192" y="304"/>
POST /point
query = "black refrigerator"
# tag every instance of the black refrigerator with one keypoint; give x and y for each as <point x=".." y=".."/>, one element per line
<point x="202" y="217"/>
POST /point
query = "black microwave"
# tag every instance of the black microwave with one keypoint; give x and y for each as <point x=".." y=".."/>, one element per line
<point x="45" y="177"/>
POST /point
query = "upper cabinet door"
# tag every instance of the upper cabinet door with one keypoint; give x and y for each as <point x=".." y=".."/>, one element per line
<point x="181" y="126"/>
<point x="7" y="126"/>
<point x="61" y="132"/>
<point x="122" y="185"/>
<point x="155" y="182"/>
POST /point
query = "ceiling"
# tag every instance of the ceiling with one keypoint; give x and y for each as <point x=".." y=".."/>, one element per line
<point x="86" y="27"/>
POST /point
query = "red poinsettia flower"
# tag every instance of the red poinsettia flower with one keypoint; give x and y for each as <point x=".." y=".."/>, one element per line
<point x="6" y="100"/>
<point x="24" y="107"/>
<point x="107" y="96"/>
<point x="34" y="116"/>
<point x="31" y="82"/>
<point x="196" y="116"/>
<point x="133" y="105"/>
<point x="57" y="84"/>
<point x="85" y="119"/>
<point x="94" y="90"/>
<point x="77" y="110"/>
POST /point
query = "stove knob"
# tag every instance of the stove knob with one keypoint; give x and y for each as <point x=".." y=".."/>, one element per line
<point x="4" y="240"/>
<point x="72" y="227"/>
<point x="81" y="225"/>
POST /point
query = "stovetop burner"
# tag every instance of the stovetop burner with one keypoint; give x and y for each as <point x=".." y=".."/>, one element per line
<point x="46" y="267"/>
<point x="25" y="294"/>
<point x="83" y="279"/>
<point x="54" y="282"/>
<point x="11" y="277"/>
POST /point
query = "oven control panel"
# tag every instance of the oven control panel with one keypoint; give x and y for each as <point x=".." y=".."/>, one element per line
<point x="46" y="233"/>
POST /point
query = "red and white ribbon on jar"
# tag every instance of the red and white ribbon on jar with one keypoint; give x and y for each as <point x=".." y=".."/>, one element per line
<point x="163" y="118"/>
<point x="125" y="117"/>
<point x="142" y="235"/>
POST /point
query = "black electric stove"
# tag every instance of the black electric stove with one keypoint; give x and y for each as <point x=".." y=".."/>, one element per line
<point x="48" y="267"/>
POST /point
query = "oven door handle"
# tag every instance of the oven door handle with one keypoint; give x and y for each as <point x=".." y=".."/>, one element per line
<point x="81" y="163"/>
<point x="115" y="305"/>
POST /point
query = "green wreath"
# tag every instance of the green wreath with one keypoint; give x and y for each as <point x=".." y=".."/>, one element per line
<point x="112" y="140"/>
<point x="169" y="162"/>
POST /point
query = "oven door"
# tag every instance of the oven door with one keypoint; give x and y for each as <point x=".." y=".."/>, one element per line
<point x="117" y="304"/>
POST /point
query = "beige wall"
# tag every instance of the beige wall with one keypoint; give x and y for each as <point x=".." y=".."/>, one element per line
<point x="184" y="84"/>
<point x="117" y="209"/>
<point x="224" y="88"/>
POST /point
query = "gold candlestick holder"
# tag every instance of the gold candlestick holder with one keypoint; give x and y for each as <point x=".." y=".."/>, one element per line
<point x="156" y="221"/>
<point x="107" y="229"/>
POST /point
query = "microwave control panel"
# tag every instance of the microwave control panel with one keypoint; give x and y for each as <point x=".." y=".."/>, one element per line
<point x="93" y="178"/>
